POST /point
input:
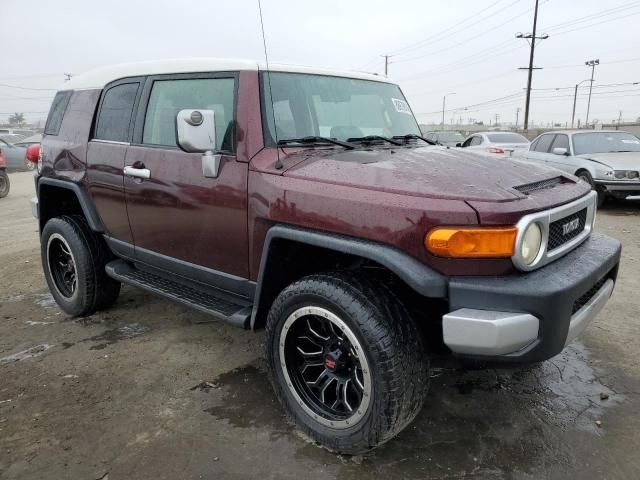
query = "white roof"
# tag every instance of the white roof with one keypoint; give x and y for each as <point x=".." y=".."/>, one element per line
<point x="98" y="78"/>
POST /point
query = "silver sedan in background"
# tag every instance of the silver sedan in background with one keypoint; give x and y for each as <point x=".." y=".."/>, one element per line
<point x="607" y="159"/>
<point x="496" y="144"/>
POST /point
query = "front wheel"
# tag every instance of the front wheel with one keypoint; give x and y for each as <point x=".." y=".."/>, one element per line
<point x="5" y="184"/>
<point x="346" y="361"/>
<point x="586" y="176"/>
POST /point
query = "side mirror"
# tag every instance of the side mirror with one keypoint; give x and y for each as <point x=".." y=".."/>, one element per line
<point x="458" y="144"/>
<point x="197" y="134"/>
<point x="196" y="131"/>
<point x="560" y="151"/>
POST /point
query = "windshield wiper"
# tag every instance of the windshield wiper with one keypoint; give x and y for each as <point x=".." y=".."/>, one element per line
<point x="371" y="138"/>
<point x="316" y="140"/>
<point x="412" y="136"/>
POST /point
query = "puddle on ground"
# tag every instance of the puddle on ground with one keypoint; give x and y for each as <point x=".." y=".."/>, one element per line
<point x="244" y="398"/>
<point x="24" y="354"/>
<point x="45" y="300"/>
<point x="109" y="337"/>
<point x="482" y="422"/>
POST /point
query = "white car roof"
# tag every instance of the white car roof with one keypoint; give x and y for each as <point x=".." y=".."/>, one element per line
<point x="98" y="78"/>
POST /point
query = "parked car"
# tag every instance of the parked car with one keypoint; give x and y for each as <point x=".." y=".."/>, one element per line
<point x="15" y="153"/>
<point x="608" y="160"/>
<point x="304" y="201"/>
<point x="5" y="184"/>
<point x="496" y="144"/>
<point x="449" y="138"/>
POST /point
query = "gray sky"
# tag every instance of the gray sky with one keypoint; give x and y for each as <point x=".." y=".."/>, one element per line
<point x="462" y="46"/>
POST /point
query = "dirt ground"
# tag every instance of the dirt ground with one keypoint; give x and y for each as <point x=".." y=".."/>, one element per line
<point x="120" y="394"/>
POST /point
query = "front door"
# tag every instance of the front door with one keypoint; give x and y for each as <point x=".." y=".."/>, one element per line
<point x="179" y="216"/>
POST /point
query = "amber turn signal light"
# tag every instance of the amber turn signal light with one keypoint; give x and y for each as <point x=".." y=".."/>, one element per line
<point x="498" y="242"/>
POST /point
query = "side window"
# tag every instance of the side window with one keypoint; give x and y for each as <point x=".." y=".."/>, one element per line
<point x="114" y="117"/>
<point x="544" y="142"/>
<point x="532" y="147"/>
<point x="168" y="97"/>
<point x="467" y="142"/>
<point x="56" y="114"/>
<point x="561" y="141"/>
<point x="477" y="140"/>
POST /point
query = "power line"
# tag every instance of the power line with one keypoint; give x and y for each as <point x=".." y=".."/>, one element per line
<point x="596" y="15"/>
<point x="457" y="26"/>
<point x="490" y="30"/>
<point x="28" y="88"/>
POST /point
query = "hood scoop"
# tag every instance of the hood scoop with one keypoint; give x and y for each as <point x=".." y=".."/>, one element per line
<point x="541" y="185"/>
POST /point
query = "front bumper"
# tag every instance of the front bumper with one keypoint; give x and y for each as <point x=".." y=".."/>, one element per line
<point x="529" y="317"/>
<point x="632" y="186"/>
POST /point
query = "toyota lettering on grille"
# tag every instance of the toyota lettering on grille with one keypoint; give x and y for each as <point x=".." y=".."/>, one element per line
<point x="569" y="227"/>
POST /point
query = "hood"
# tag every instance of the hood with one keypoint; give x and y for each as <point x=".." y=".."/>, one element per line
<point x="436" y="172"/>
<point x="616" y="160"/>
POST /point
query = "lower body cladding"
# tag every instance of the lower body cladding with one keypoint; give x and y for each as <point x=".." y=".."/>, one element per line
<point x="531" y="316"/>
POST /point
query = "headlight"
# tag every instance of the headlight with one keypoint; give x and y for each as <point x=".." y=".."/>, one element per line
<point x="632" y="174"/>
<point x="620" y="174"/>
<point x="531" y="243"/>
<point x="629" y="174"/>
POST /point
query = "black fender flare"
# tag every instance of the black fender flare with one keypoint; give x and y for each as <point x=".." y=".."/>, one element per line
<point x="88" y="208"/>
<point x="418" y="276"/>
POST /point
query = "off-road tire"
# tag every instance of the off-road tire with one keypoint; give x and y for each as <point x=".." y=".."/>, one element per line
<point x="95" y="290"/>
<point x="5" y="184"/>
<point x="586" y="176"/>
<point x="392" y="344"/>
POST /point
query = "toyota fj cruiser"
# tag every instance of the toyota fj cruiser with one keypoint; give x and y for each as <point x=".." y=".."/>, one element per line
<point x="305" y="202"/>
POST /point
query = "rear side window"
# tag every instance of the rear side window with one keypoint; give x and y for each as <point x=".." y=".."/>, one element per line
<point x="168" y="97"/>
<point x="544" y="143"/>
<point x="476" y="140"/>
<point x="114" y="118"/>
<point x="56" y="114"/>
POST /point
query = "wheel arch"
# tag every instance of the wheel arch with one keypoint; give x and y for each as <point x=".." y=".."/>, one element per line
<point x="59" y="197"/>
<point x="284" y="246"/>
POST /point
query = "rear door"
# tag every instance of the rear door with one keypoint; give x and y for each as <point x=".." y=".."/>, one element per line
<point x="181" y="219"/>
<point x="540" y="148"/>
<point x="106" y="153"/>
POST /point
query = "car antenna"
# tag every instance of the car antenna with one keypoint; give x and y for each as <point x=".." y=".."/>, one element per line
<point x="273" y="111"/>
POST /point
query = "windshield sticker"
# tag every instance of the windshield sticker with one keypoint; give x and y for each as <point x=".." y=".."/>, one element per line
<point x="401" y="106"/>
<point x="635" y="142"/>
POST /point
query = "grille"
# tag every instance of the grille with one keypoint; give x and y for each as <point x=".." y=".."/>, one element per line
<point x="541" y="185"/>
<point x="557" y="236"/>
<point x="582" y="301"/>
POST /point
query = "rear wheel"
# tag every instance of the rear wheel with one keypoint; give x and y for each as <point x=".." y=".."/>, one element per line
<point x="5" y="184"/>
<point x="586" y="176"/>
<point x="346" y="361"/>
<point x="73" y="258"/>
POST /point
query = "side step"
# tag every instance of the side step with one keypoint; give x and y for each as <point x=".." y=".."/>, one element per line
<point x="216" y="303"/>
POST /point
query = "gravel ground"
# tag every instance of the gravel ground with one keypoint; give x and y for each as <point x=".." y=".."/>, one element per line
<point x="146" y="390"/>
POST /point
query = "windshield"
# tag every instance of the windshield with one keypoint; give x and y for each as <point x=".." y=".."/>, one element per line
<point x="506" y="138"/>
<point x="605" y="142"/>
<point x="449" y="137"/>
<point x="341" y="108"/>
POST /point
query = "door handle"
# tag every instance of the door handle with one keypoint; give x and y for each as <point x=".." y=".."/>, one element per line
<point x="137" y="172"/>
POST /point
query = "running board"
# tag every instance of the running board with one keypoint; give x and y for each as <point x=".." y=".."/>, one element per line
<point x="216" y="303"/>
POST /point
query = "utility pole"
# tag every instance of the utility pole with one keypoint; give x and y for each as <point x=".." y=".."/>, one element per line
<point x="444" y="102"/>
<point x="575" y="98"/>
<point x="517" y="115"/>
<point x="592" y="64"/>
<point x="386" y="64"/>
<point x="67" y="76"/>
<point x="531" y="68"/>
<point x="497" y="119"/>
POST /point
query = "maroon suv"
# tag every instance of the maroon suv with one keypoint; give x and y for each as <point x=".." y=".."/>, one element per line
<point x="306" y="202"/>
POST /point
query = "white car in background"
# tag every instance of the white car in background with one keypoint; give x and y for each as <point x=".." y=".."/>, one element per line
<point x="607" y="159"/>
<point x="496" y="144"/>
